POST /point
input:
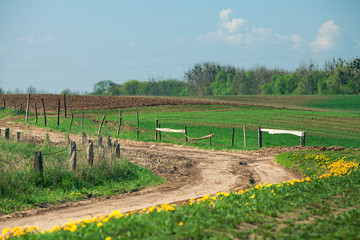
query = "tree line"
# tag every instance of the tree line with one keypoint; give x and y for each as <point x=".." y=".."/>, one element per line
<point x="338" y="76"/>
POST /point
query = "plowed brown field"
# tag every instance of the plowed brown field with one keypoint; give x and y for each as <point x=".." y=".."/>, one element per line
<point x="76" y="102"/>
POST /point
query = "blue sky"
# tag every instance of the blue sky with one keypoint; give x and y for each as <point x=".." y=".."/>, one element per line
<point x="54" y="45"/>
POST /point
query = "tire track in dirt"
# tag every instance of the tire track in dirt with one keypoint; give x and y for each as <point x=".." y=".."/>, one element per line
<point x="210" y="172"/>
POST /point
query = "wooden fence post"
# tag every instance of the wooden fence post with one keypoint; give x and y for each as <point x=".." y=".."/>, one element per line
<point x="244" y="128"/>
<point x="71" y="121"/>
<point x="64" y="106"/>
<point x="36" y="113"/>
<point x="38" y="162"/>
<point x="259" y="137"/>
<point x="90" y="153"/>
<point x="101" y="124"/>
<point x="43" y="104"/>
<point x="72" y="160"/>
<point x="58" y="112"/>
<point x="302" y="140"/>
<point x="117" y="150"/>
<point x="83" y="139"/>
<point x="186" y="139"/>
<point x="120" y="120"/>
<point x="160" y="132"/>
<point x="14" y="102"/>
<point x="109" y="144"/>
<point x="18" y="136"/>
<point x="27" y="109"/>
<point x="156" y="126"/>
<point x="20" y="107"/>
<point x="4" y="104"/>
<point x="7" y="133"/>
<point x="233" y="137"/>
<point x="100" y="141"/>
<point x="209" y="138"/>
<point x="137" y="131"/>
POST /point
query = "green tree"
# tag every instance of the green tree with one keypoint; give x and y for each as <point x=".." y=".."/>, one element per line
<point x="102" y="87"/>
<point x="131" y="87"/>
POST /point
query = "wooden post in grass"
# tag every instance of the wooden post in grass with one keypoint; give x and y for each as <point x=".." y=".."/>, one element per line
<point x="36" y="116"/>
<point x="18" y="136"/>
<point x="58" y="112"/>
<point x="38" y="162"/>
<point x="20" y="107"/>
<point x="43" y="104"/>
<point x="302" y="140"/>
<point x="27" y="109"/>
<point x="83" y="139"/>
<point x="259" y="137"/>
<point x="90" y="153"/>
<point x="120" y="120"/>
<point x="72" y="160"/>
<point x="14" y="102"/>
<point x="117" y="150"/>
<point x="4" y="103"/>
<point x="82" y="121"/>
<point x="244" y="128"/>
<point x="109" y="144"/>
<point x="209" y="138"/>
<point x="64" y="106"/>
<point x="233" y="137"/>
<point x="138" y="124"/>
<point x="101" y="124"/>
<point x="186" y="139"/>
<point x="156" y="131"/>
<point x="100" y="141"/>
<point x="71" y="121"/>
<point x="160" y="132"/>
<point x="7" y="134"/>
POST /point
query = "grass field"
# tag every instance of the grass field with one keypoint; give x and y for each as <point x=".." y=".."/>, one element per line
<point x="323" y="128"/>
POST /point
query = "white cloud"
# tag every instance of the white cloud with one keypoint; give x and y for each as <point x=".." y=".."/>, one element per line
<point x="179" y="40"/>
<point x="327" y="37"/>
<point x="235" y="25"/>
<point x="47" y="39"/>
<point x="224" y="14"/>
<point x="238" y="31"/>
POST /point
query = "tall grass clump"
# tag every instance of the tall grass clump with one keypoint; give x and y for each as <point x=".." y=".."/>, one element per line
<point x="23" y="187"/>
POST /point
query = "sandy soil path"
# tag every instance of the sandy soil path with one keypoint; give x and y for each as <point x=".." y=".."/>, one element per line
<point x="192" y="173"/>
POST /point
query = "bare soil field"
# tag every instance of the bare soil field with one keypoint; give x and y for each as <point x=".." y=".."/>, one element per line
<point x="76" y="102"/>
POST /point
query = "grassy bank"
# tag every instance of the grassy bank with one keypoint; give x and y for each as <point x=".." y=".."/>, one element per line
<point x="22" y="187"/>
<point x="324" y="205"/>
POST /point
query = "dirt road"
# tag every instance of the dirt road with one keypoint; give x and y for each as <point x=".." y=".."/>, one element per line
<point x="190" y="173"/>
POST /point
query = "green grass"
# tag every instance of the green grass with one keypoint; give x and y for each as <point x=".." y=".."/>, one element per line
<point x="334" y="102"/>
<point x="320" y="208"/>
<point x="323" y="128"/>
<point x="21" y="187"/>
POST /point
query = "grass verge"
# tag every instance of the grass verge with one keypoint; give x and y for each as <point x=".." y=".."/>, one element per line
<point x="324" y="206"/>
<point x="22" y="187"/>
